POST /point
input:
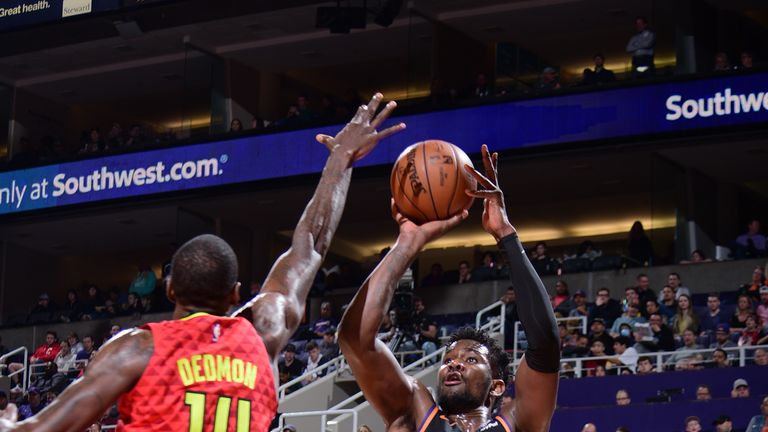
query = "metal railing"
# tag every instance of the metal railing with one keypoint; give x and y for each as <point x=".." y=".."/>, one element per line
<point x="517" y="353"/>
<point x="22" y="371"/>
<point x="323" y="417"/>
<point x="338" y="364"/>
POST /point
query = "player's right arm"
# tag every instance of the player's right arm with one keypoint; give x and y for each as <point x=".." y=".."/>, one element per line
<point x="537" y="376"/>
<point x="390" y="391"/>
<point x="278" y="309"/>
<point x="114" y="370"/>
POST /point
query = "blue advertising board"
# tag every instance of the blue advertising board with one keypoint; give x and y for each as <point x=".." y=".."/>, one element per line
<point x="657" y="108"/>
<point x="19" y="13"/>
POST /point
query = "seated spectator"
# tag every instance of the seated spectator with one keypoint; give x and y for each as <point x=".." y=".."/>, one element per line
<point x="74" y="343"/>
<point x="580" y="307"/>
<point x="644" y="366"/>
<point x="703" y="392"/>
<point x="760" y="357"/>
<point x="743" y="311"/>
<point x="314" y="361"/>
<point x="685" y="353"/>
<point x="675" y="282"/>
<point x="8" y="410"/>
<point x="65" y="358"/>
<point x="435" y="276"/>
<point x="93" y="304"/>
<point x="762" y="308"/>
<point x="631" y="316"/>
<point x="580" y="349"/>
<point x="758" y="423"/>
<point x="325" y="322"/>
<point x="597" y="349"/>
<point x="34" y="405"/>
<point x="746" y="61"/>
<point x="561" y="294"/>
<point x="46" y="352"/>
<point x="146" y="305"/>
<point x="73" y="310"/>
<point x="132" y="306"/>
<point x="685" y="318"/>
<point x="145" y="282"/>
<point x="752" y="333"/>
<point x="722" y="64"/>
<point x="235" y="126"/>
<point x="465" y="273"/>
<point x="425" y="328"/>
<point x="667" y="303"/>
<point x="289" y="366"/>
<point x="91" y="142"/>
<point x="510" y="316"/>
<point x="598" y="333"/>
<point x="631" y="297"/>
<point x="644" y="291"/>
<point x="88" y="348"/>
<point x="605" y="307"/>
<point x="488" y="270"/>
<point x="652" y="307"/>
<point x="549" y="80"/>
<point x="627" y="356"/>
<point x="587" y="250"/>
<point x="43" y="310"/>
<point x="752" y="289"/>
<point x="723" y="337"/>
<point x="723" y="423"/>
<point x="692" y="424"/>
<point x="711" y="318"/>
<point x="740" y="388"/>
<point x="136" y="137"/>
<point x="640" y="249"/>
<point x="696" y="257"/>
<point x="751" y="243"/>
<point x="662" y="338"/>
<point x="388" y="327"/>
<point x="622" y="398"/>
<point x="113" y="331"/>
<point x="115" y="137"/>
<point x="719" y="359"/>
<point x="328" y="347"/>
<point x="589" y="427"/>
<point x="600" y="75"/>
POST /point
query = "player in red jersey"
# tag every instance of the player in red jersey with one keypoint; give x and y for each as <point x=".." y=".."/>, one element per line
<point x="203" y="371"/>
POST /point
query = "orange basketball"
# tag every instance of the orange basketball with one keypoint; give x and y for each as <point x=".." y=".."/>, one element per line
<point x="428" y="181"/>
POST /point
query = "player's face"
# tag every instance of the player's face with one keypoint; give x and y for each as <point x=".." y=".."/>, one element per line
<point x="464" y="379"/>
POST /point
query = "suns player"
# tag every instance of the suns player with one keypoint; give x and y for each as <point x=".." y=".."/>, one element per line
<point x="203" y="371"/>
<point x="472" y="378"/>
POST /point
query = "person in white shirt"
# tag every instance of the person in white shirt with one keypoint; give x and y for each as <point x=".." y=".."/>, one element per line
<point x="314" y="360"/>
<point x="627" y="356"/>
<point x="65" y="359"/>
<point x="8" y="411"/>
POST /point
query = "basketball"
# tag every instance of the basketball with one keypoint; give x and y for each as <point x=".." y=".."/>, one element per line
<point x="428" y="181"/>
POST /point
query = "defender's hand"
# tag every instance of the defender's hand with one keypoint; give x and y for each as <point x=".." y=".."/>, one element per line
<point x="426" y="232"/>
<point x="495" y="221"/>
<point x="359" y="136"/>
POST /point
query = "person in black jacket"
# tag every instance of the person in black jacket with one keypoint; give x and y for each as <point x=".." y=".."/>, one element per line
<point x="605" y="307"/>
<point x="600" y="75"/>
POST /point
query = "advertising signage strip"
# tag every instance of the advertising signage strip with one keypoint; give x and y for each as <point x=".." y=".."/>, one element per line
<point x="658" y="108"/>
<point x="20" y="13"/>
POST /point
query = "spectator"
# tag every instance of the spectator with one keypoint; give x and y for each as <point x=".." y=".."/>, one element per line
<point x="697" y="257"/>
<point x="644" y="291"/>
<point x="684" y="355"/>
<point x="589" y="427"/>
<point x="631" y="298"/>
<point x="465" y="273"/>
<point x="561" y="293"/>
<point x="540" y="260"/>
<point x="235" y="126"/>
<point x="136" y="137"/>
<point x="752" y="289"/>
<point x="627" y="356"/>
<point x="93" y="304"/>
<point x="92" y="142"/>
<point x="740" y="388"/>
<point x="712" y="317"/>
<point x="622" y="429"/>
<point x="314" y="361"/>
<point x="692" y="424"/>
<point x="580" y="308"/>
<point x="115" y="137"/>
<point x="597" y="349"/>
<point x="631" y="316"/>
<point x="74" y="343"/>
<point x="549" y="80"/>
<point x="644" y="366"/>
<point x="641" y="47"/>
<point x="600" y="75"/>
<point x="703" y="392"/>
<point x="145" y="281"/>
<point x="639" y="246"/>
<point x="46" y="352"/>
<point x="73" y="310"/>
<point x="674" y="281"/>
<point x="743" y="311"/>
<point x="685" y="318"/>
<point x="65" y="358"/>
<point x="722" y="64"/>
<point x="290" y="364"/>
<point x="622" y="398"/>
<point x="719" y="359"/>
<point x="146" y="305"/>
<point x="488" y="270"/>
<point x="662" y="338"/>
<point x="388" y="328"/>
<point x="751" y="243"/>
<point x="113" y="331"/>
<point x="667" y="303"/>
<point x="325" y="322"/>
<point x="757" y="423"/>
<point x="598" y="334"/>
<point x="760" y="357"/>
<point x="588" y="250"/>
<point x="652" y="307"/>
<point x="88" y="348"/>
<point x="580" y="349"/>
<point x="425" y="328"/>
<point x="510" y="315"/>
<point x="34" y="405"/>
<point x="746" y="61"/>
<point x="132" y="306"/>
<point x="605" y="307"/>
<point x="482" y="87"/>
<point x="289" y="428"/>
<point x="600" y="371"/>
<point x="752" y="333"/>
<point x="762" y="308"/>
<point x="723" y="337"/>
<point x="8" y="410"/>
<point x="723" y="423"/>
<point x="435" y="276"/>
<point x="328" y="347"/>
<point x="364" y="428"/>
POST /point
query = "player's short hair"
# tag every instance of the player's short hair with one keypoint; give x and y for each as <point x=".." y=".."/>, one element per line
<point x="203" y="267"/>
<point x="498" y="358"/>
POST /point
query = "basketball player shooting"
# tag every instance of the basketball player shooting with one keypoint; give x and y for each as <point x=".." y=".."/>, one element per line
<point x="202" y="370"/>
<point x="473" y="374"/>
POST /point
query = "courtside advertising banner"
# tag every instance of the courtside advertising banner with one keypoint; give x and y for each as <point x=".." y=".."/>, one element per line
<point x="554" y="119"/>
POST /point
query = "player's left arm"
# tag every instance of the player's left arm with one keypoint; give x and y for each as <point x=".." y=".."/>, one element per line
<point x="278" y="309"/>
<point x="113" y="371"/>
<point x="537" y="376"/>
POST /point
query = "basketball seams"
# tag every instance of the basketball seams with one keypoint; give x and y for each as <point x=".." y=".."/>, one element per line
<point x="429" y="184"/>
<point x="456" y="180"/>
<point x="405" y="195"/>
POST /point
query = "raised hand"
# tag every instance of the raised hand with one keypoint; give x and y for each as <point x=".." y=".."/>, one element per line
<point x="359" y="136"/>
<point x="426" y="232"/>
<point x="495" y="221"/>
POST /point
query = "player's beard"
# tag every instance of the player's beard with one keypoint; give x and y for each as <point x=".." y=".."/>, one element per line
<point x="458" y="403"/>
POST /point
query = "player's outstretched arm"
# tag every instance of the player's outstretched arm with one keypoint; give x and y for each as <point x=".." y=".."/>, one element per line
<point x="278" y="309"/>
<point x="389" y="390"/>
<point x="115" y="370"/>
<point x="537" y="376"/>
